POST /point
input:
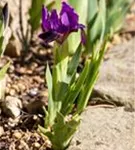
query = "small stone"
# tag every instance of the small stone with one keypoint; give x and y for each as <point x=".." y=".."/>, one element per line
<point x="17" y="135"/>
<point x="29" y="71"/>
<point x="12" y="92"/>
<point x="23" y="145"/>
<point x="11" y="106"/>
<point x="33" y="92"/>
<point x="21" y="70"/>
<point x="15" y="87"/>
<point x="48" y="143"/>
<point x="36" y="145"/>
<point x="13" y="122"/>
<point x="11" y="69"/>
<point x="38" y="79"/>
<point x="21" y="87"/>
<point x="35" y="117"/>
<point x="1" y="131"/>
<point x="33" y="65"/>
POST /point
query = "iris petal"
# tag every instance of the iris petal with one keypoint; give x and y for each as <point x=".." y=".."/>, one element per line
<point x="71" y="15"/>
<point x="54" y="20"/>
<point x="48" y="36"/>
<point x="65" y="19"/>
<point x="45" y="21"/>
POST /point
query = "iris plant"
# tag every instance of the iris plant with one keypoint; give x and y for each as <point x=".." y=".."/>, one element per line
<point x="68" y="93"/>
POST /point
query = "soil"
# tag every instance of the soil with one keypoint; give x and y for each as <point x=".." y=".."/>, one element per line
<point x="25" y="80"/>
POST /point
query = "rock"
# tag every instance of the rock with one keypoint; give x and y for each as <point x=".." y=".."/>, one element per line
<point x="12" y="92"/>
<point x="33" y="92"/>
<point x="12" y="122"/>
<point x="105" y="129"/>
<point x="23" y="145"/>
<point x="17" y="135"/>
<point x="11" y="106"/>
<point x="1" y="131"/>
<point x="36" y="145"/>
<point x="116" y="81"/>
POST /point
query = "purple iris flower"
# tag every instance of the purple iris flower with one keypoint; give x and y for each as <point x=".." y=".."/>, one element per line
<point x="57" y="28"/>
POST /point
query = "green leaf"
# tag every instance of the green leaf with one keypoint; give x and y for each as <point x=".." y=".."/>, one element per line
<point x="91" y="79"/>
<point x="35" y="13"/>
<point x="1" y="27"/>
<point x="1" y="45"/>
<point x="3" y="80"/>
<point x="57" y="5"/>
<point x="51" y="110"/>
<point x="60" y="79"/>
<point x="73" y="64"/>
<point x="85" y="93"/>
<point x="96" y="29"/>
<point x="92" y="10"/>
<point x="62" y="131"/>
<point x="116" y="10"/>
<point x="50" y="5"/>
<point x="74" y="91"/>
<point x="74" y="40"/>
<point x="4" y="70"/>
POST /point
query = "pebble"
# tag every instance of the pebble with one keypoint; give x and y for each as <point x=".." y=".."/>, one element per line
<point x="17" y="135"/>
<point x="35" y="117"/>
<point x="36" y="145"/>
<point x="23" y="145"/>
<point x="12" y="92"/>
<point x="21" y="87"/>
<point x="1" y="131"/>
<point x="11" y="106"/>
<point x="38" y="79"/>
<point x="13" y="122"/>
<point x="33" y="92"/>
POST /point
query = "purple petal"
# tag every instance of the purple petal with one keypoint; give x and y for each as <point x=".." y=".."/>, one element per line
<point x="72" y="17"/>
<point x="45" y="19"/>
<point x="54" y="20"/>
<point x="48" y="36"/>
<point x="65" y="19"/>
